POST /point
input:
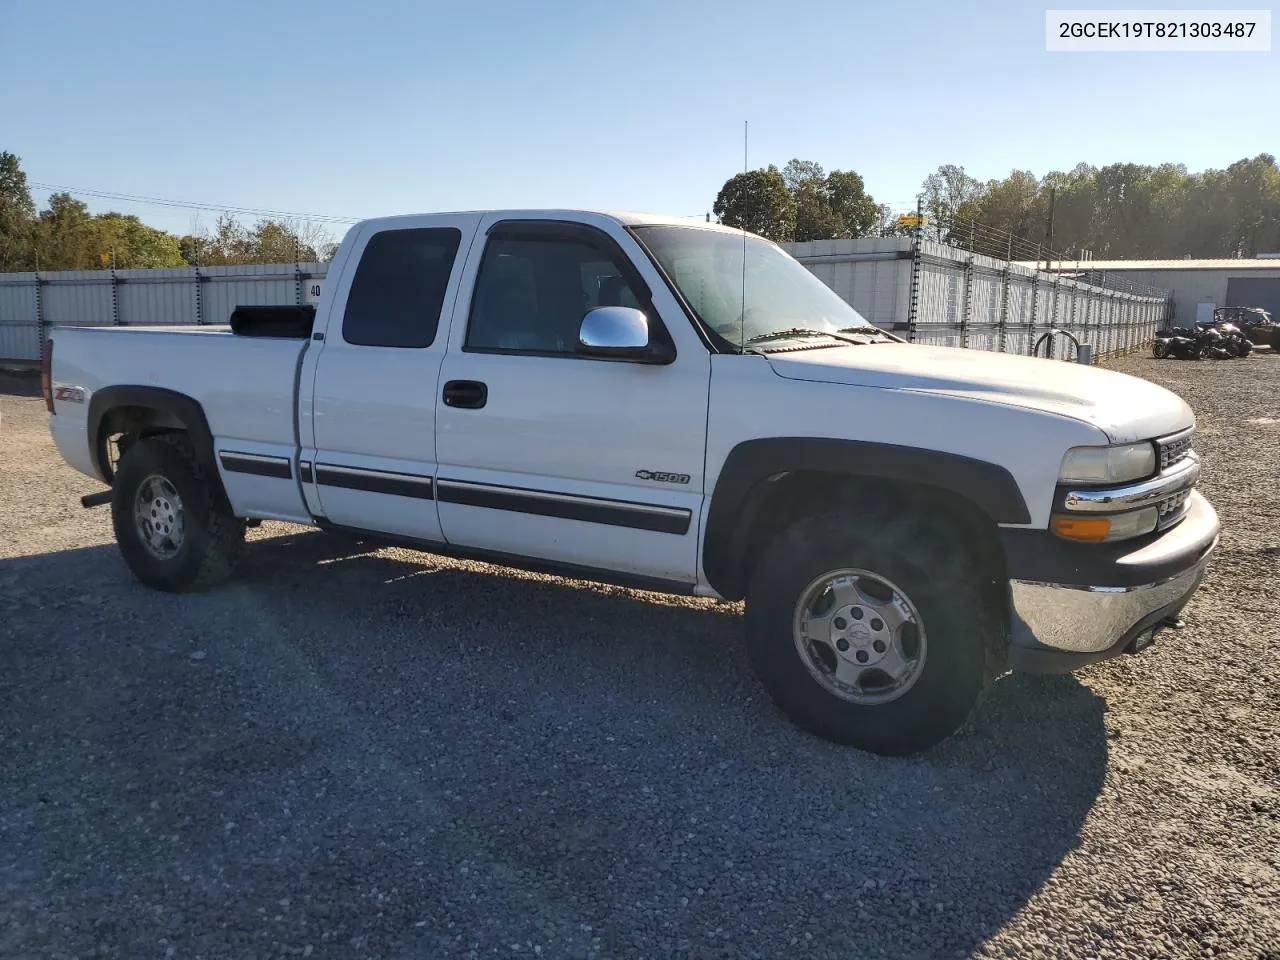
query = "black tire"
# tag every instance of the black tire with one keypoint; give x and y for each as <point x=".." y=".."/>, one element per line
<point x="959" y="614"/>
<point x="212" y="541"/>
<point x="1161" y="349"/>
<point x="1246" y="348"/>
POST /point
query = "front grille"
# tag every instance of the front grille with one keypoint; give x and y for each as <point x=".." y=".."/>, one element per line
<point x="1172" y="508"/>
<point x="1174" y="448"/>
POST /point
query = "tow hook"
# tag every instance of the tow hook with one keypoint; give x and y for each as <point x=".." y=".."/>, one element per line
<point x="99" y="499"/>
<point x="1143" y="640"/>
<point x="1148" y="636"/>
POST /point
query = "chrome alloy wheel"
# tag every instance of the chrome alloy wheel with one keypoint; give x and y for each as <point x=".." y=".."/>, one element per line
<point x="157" y="513"/>
<point x="859" y="636"/>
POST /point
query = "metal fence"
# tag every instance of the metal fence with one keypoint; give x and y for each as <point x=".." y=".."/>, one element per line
<point x="32" y="302"/>
<point x="931" y="291"/>
<point x="934" y="292"/>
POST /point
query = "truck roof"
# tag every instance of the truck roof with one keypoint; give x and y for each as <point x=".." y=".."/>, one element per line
<point x="625" y="217"/>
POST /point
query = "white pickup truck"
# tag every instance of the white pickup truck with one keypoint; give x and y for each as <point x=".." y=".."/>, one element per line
<point x="584" y="393"/>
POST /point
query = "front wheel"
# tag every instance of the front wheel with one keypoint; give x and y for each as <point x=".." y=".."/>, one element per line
<point x="172" y="528"/>
<point x="1161" y="349"/>
<point x="876" y="633"/>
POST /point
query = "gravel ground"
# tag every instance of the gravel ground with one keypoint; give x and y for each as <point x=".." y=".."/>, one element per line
<point x="352" y="752"/>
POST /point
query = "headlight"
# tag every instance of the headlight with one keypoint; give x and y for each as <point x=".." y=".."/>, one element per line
<point x="1096" y="529"/>
<point x="1132" y="461"/>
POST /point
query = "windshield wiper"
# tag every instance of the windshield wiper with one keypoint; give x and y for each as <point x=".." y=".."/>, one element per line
<point x="799" y="332"/>
<point x="867" y="328"/>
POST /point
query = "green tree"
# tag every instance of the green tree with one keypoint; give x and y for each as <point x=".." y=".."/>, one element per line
<point x="1013" y="206"/>
<point x="758" y="201"/>
<point x="806" y="181"/>
<point x="277" y="241"/>
<point x="17" y="216"/>
<point x="131" y="244"/>
<point x="1253" y="206"/>
<point x="268" y="241"/>
<point x="798" y="174"/>
<point x="69" y="238"/>
<point x="1074" y="209"/>
<point x="815" y="220"/>
<point x="800" y="202"/>
<point x="947" y="190"/>
<point x="64" y="237"/>
<point x="857" y="211"/>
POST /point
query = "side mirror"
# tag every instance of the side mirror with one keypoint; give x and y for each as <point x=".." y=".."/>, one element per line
<point x="620" y="333"/>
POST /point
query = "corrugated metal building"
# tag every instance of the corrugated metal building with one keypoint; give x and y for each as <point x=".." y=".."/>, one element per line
<point x="1198" y="286"/>
<point x="30" y="303"/>
<point x="873" y="275"/>
<point x="944" y="295"/>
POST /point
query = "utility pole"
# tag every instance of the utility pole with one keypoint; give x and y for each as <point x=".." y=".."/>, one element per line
<point x="1053" y="196"/>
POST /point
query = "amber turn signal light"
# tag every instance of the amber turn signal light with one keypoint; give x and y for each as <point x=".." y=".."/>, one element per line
<point x="1087" y="529"/>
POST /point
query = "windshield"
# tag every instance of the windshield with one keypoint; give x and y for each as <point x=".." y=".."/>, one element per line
<point x="781" y="295"/>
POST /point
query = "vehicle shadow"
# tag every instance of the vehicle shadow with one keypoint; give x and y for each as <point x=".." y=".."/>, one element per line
<point x="421" y="756"/>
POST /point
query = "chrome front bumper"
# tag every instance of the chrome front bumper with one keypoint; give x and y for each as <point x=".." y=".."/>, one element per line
<point x="1092" y="619"/>
<point x="1058" y="626"/>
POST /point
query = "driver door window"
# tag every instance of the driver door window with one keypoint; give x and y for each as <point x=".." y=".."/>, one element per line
<point x="531" y="295"/>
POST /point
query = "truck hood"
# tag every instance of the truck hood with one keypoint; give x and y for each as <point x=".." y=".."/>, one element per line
<point x="1125" y="408"/>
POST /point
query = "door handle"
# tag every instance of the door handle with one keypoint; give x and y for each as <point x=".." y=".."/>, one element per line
<point x="471" y="394"/>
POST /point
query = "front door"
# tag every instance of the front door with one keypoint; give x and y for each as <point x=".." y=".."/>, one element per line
<point x="546" y="453"/>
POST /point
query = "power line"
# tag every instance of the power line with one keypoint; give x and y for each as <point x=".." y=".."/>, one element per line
<point x="191" y="205"/>
<point x="216" y="207"/>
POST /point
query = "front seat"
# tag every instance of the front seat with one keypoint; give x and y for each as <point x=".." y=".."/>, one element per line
<point x="507" y="316"/>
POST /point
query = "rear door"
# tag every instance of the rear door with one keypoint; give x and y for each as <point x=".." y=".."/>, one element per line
<point x="550" y="454"/>
<point x="368" y="439"/>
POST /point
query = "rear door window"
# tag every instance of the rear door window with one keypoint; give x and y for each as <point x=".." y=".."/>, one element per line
<point x="398" y="291"/>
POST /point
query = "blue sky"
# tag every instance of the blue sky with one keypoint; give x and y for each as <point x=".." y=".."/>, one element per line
<point x="395" y="106"/>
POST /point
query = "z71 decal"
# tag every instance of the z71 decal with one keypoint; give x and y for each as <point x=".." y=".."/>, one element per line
<point x="661" y="477"/>
<point x="68" y="394"/>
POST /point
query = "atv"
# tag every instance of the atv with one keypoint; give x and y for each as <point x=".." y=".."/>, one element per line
<point x="1255" y="323"/>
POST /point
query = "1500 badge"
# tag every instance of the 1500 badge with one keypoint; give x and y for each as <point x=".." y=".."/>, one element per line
<point x="662" y="477"/>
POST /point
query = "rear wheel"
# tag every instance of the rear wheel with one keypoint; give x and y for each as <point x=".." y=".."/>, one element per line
<point x="873" y="632"/>
<point x="171" y="526"/>
<point x="1161" y="349"/>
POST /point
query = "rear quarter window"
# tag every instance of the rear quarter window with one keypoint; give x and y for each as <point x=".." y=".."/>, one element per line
<point x="398" y="291"/>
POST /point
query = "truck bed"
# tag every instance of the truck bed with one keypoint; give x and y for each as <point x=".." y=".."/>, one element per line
<point x="244" y="384"/>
